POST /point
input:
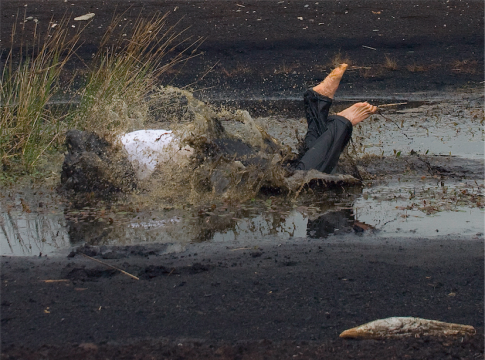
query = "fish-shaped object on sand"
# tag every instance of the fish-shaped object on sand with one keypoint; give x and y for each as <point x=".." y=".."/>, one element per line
<point x="397" y="327"/>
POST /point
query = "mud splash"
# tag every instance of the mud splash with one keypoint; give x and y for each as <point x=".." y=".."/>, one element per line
<point x="403" y="193"/>
<point x="234" y="156"/>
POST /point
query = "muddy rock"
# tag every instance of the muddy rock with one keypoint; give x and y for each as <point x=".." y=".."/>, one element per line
<point x="94" y="165"/>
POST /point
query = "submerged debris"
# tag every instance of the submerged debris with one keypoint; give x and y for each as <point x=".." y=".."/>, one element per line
<point x="397" y="327"/>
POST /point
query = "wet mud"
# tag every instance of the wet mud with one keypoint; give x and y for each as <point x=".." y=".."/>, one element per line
<point x="406" y="192"/>
<point x="208" y="298"/>
<point x="269" y="274"/>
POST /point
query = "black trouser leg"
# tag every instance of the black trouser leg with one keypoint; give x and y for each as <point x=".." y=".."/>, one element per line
<point x="316" y="112"/>
<point x="326" y="136"/>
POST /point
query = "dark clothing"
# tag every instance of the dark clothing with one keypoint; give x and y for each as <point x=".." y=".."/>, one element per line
<point x="326" y="136"/>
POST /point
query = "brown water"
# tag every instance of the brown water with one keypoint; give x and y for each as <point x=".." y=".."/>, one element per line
<point x="431" y="195"/>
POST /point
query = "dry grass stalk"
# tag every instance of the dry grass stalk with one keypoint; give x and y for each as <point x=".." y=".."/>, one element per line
<point x="123" y="74"/>
<point x="390" y="64"/>
<point x="111" y="266"/>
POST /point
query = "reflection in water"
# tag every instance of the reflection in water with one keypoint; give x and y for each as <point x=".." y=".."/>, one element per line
<point x="324" y="225"/>
<point x="394" y="209"/>
<point x="253" y="220"/>
<point x="24" y="233"/>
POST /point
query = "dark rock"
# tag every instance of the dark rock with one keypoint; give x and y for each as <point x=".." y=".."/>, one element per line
<point x="92" y="164"/>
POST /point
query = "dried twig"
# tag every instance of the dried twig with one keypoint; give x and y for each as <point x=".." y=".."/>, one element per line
<point x="395" y="104"/>
<point x="111" y="266"/>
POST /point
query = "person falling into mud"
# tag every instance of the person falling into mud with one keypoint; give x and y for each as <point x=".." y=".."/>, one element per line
<point x="327" y="136"/>
<point x="324" y="141"/>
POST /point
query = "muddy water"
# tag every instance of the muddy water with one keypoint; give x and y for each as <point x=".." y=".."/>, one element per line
<point x="412" y="188"/>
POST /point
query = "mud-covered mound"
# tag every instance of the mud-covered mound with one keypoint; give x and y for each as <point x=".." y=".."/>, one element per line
<point x="93" y="164"/>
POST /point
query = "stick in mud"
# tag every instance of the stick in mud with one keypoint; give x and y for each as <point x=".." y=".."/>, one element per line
<point x="111" y="266"/>
<point x="395" y="104"/>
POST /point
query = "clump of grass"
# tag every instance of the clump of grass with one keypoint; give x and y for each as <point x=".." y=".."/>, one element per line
<point x="124" y="71"/>
<point x="338" y="59"/>
<point x="416" y="68"/>
<point x="29" y="79"/>
<point x="390" y="64"/>
<point x="465" y="66"/>
<point x="113" y="99"/>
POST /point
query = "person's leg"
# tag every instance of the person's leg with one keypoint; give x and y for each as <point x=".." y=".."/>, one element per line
<point x="329" y="86"/>
<point x="325" y="152"/>
<point x="358" y="112"/>
<point x="317" y="104"/>
<point x="323" y="155"/>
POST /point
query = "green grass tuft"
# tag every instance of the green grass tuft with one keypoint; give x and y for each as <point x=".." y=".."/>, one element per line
<point x="118" y="80"/>
<point x="29" y="80"/>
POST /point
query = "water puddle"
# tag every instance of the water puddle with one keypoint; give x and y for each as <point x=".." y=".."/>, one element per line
<point x="442" y="197"/>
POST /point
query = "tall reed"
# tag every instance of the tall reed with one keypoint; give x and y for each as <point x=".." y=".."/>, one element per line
<point x="129" y="62"/>
<point x="29" y="79"/>
<point x="113" y="99"/>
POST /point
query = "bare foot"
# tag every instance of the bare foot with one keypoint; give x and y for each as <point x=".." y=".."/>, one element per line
<point x="329" y="86"/>
<point x="358" y="112"/>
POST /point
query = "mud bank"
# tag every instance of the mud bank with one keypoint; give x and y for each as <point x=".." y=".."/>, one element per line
<point x="224" y="299"/>
<point x="277" y="49"/>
